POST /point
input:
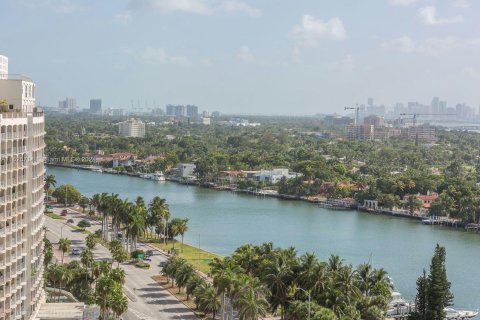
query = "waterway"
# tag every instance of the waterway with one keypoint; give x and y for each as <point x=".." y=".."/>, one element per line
<point x="222" y="221"/>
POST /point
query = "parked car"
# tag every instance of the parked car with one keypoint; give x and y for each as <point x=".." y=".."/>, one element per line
<point x="64" y="212"/>
<point x="148" y="253"/>
<point x="76" y="251"/>
<point x="162" y="264"/>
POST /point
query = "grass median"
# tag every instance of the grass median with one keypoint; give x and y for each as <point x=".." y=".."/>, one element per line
<point x="54" y="216"/>
<point x="197" y="257"/>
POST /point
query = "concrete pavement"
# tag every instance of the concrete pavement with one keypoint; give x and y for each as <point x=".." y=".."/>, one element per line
<point x="147" y="299"/>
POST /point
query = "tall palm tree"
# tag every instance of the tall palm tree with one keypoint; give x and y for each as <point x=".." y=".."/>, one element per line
<point x="50" y="181"/>
<point x="64" y="245"/>
<point x="182" y="228"/>
<point x="86" y="257"/>
<point x="136" y="225"/>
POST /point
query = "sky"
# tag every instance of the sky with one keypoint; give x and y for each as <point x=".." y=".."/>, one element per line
<point x="285" y="57"/>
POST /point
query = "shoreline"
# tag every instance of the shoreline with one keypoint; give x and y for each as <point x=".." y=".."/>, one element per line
<point x="449" y="223"/>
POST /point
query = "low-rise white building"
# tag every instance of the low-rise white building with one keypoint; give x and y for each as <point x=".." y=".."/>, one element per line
<point x="132" y="128"/>
<point x="274" y="176"/>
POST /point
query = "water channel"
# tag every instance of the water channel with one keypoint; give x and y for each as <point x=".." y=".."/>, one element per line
<point x="222" y="221"/>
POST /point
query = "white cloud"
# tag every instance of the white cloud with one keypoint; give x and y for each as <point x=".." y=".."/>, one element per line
<point x="123" y="17"/>
<point x="238" y="6"/>
<point x="245" y="55"/>
<point x="429" y="47"/>
<point x="402" y="2"/>
<point x="158" y="56"/>
<point x="428" y="16"/>
<point x="311" y="32"/>
<point x="464" y="4"/>
<point x="203" y="7"/>
<point x="57" y="6"/>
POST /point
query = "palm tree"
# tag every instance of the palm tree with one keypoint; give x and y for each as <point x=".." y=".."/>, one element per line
<point x="50" y="181"/>
<point x="136" y="225"/>
<point x="251" y="301"/>
<point x="118" y="275"/>
<point x="86" y="257"/>
<point x="184" y="274"/>
<point x="91" y="241"/>
<point x="119" y="303"/>
<point x="208" y="300"/>
<point x="64" y="245"/>
<point x="182" y="227"/>
<point x="193" y="282"/>
<point x="413" y="203"/>
<point x="159" y="209"/>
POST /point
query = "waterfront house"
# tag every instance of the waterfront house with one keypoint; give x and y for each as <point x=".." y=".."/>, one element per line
<point x="230" y="176"/>
<point x="186" y="170"/>
<point x="274" y="176"/>
<point x="426" y="199"/>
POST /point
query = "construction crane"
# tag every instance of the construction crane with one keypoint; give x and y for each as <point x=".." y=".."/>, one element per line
<point x="357" y="109"/>
<point x="415" y="115"/>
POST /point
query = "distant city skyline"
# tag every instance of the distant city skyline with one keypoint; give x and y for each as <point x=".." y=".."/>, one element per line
<point x="241" y="56"/>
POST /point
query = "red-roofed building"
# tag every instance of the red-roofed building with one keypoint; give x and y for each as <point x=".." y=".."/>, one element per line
<point x="231" y="176"/>
<point x="426" y="199"/>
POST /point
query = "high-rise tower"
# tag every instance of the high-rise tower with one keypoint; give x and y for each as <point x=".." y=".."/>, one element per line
<point x="21" y="199"/>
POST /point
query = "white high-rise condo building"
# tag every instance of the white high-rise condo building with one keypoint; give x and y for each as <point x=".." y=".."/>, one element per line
<point x="3" y="67"/>
<point x="21" y="199"/>
<point x="132" y="128"/>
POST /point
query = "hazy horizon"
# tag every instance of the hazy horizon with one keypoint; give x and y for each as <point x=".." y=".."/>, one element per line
<point x="235" y="56"/>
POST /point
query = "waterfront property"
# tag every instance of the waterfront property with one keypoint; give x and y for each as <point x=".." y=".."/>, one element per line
<point x="226" y="220"/>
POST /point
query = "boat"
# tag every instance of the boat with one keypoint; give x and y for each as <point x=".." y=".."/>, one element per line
<point x="453" y="314"/>
<point x="158" y="176"/>
<point x="97" y="170"/>
<point x="146" y="176"/>
<point x="399" y="306"/>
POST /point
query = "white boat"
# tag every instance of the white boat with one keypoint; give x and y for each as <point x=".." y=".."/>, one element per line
<point x="158" y="176"/>
<point x="146" y="176"/>
<point x="398" y="306"/>
<point x="97" y="170"/>
<point x="452" y="314"/>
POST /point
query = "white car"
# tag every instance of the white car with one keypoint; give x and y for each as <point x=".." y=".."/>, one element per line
<point x="76" y="251"/>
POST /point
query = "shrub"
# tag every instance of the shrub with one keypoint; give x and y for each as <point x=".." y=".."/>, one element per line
<point x="142" y="265"/>
<point x="83" y="224"/>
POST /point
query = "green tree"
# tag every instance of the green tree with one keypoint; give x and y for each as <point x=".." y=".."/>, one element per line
<point x="50" y="182"/>
<point x="67" y="194"/>
<point x="439" y="295"/>
<point x="64" y="245"/>
<point x="83" y="224"/>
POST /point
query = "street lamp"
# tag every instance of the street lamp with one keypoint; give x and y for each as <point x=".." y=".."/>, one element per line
<point x="61" y="230"/>
<point x="308" y="293"/>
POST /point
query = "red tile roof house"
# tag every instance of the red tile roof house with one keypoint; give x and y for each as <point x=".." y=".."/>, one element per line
<point x="231" y="176"/>
<point x="426" y="199"/>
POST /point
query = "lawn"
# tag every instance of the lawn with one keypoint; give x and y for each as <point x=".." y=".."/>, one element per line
<point x="198" y="258"/>
<point x="54" y="216"/>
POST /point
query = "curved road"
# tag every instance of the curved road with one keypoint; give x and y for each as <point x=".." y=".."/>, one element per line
<point x="147" y="299"/>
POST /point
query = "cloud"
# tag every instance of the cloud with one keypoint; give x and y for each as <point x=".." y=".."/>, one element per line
<point x="202" y="7"/>
<point x="464" y="4"/>
<point x="429" y="47"/>
<point x="238" y="6"/>
<point x="158" y="56"/>
<point x="402" y="2"/>
<point x="123" y="17"/>
<point x="57" y="6"/>
<point x="245" y="55"/>
<point x="428" y="16"/>
<point x="311" y="32"/>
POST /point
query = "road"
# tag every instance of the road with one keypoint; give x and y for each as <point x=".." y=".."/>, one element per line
<point x="147" y="300"/>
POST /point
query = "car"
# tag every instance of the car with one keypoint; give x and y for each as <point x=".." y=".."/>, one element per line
<point x="76" y="251"/>
<point x="147" y="259"/>
<point x="148" y="253"/>
<point x="64" y="212"/>
<point x="162" y="264"/>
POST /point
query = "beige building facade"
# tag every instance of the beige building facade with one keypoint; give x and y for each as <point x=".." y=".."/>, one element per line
<point x="21" y="199"/>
